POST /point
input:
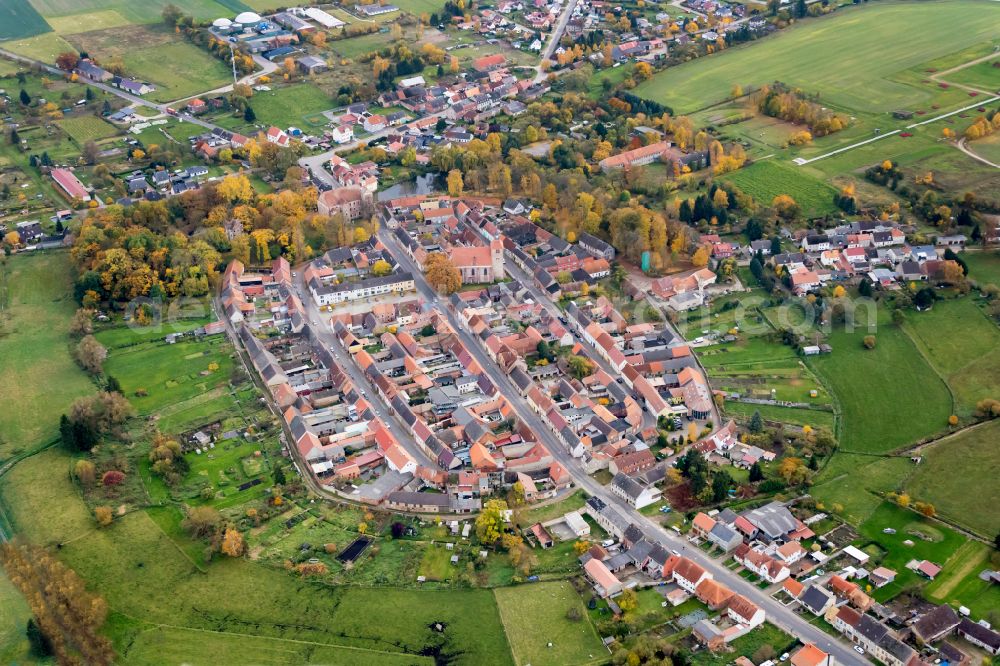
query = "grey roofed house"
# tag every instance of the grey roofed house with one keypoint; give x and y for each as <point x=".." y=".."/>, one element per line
<point x="608" y="517"/>
<point x="596" y="246"/>
<point x="629" y="486"/>
<point x="521" y="379"/>
<point x="815" y="599"/>
<point x="773" y="520"/>
<point x="980" y="635"/>
<point x="409" y="498"/>
<point x="705" y="631"/>
<point x="659" y="556"/>
<point x="633" y="534"/>
<point x="138" y="184"/>
<point x="727" y="516"/>
<point x="639" y="552"/>
<point x="618" y="562"/>
<point x="724" y="536"/>
<point x="936" y="623"/>
<point x="311" y="63"/>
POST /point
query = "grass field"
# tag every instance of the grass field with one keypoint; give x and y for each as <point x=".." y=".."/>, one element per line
<point x="170" y="374"/>
<point x="355" y="47"/>
<point x="811" y="417"/>
<point x="983" y="75"/>
<point x="418" y="7"/>
<point x="931" y="541"/>
<point x="14" y="613"/>
<point x="289" y="106"/>
<point x="97" y="20"/>
<point x="87" y="128"/>
<point x="833" y="57"/>
<point x="35" y="310"/>
<point x="237" y="598"/>
<point x="156" y="646"/>
<point x="984" y="267"/>
<point x="535" y="615"/>
<point x="952" y="473"/>
<point x="963" y="346"/>
<point x="889" y="396"/>
<point x="959" y="584"/>
<point x="18" y="19"/>
<point x="766" y="634"/>
<point x="178" y="68"/>
<point x="987" y="148"/>
<point x="767" y="179"/>
<point x="149" y="11"/>
<point x="44" y="47"/>
<point x="853" y="481"/>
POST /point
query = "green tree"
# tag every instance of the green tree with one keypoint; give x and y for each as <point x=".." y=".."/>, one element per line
<point x="25" y="97"/>
<point x="721" y="482"/>
<point x="489" y="522"/>
<point x="756" y="473"/>
<point x="249" y="115"/>
<point x="756" y="425"/>
<point x="580" y="366"/>
<point x="39" y="642"/>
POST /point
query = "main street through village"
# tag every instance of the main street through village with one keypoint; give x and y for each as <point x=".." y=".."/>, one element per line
<point x="782" y="616"/>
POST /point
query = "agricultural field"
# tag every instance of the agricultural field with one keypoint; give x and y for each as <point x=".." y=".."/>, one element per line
<point x="282" y="610"/>
<point x="19" y="19"/>
<point x="44" y="47"/>
<point x="832" y="56"/>
<point x="178" y="68"/>
<point x="87" y="128"/>
<point x="889" y="396"/>
<point x="418" y="7"/>
<point x="97" y="20"/>
<point x="767" y="179"/>
<point x="963" y="345"/>
<point x="138" y="12"/>
<point x="954" y="471"/>
<point x="35" y="310"/>
<point x="931" y="541"/>
<point x="983" y="75"/>
<point x="535" y="617"/>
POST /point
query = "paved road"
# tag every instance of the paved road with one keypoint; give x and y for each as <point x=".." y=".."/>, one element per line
<point x="546" y="302"/>
<point x="783" y="617"/>
<point x="134" y="100"/>
<point x="320" y="326"/>
<point x="554" y="38"/>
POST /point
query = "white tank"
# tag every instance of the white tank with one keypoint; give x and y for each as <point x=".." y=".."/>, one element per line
<point x="248" y="18"/>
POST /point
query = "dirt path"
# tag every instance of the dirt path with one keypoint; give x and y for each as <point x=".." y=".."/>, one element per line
<point x="968" y="151"/>
<point x="938" y="77"/>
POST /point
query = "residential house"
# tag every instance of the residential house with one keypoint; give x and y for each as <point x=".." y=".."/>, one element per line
<point x="634" y="492"/>
<point x="979" y="635"/>
<point x="606" y="584"/>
